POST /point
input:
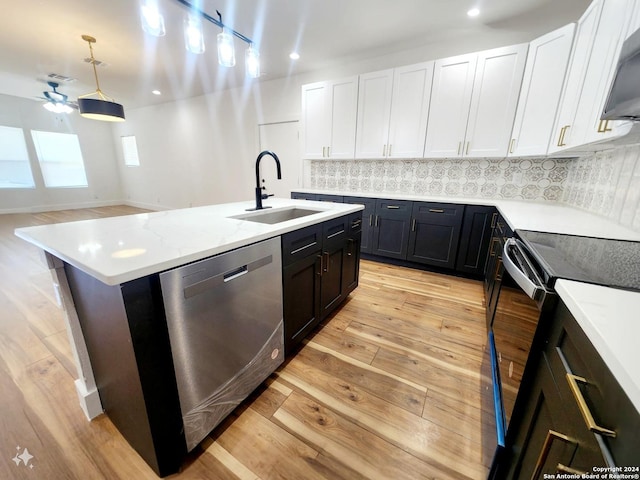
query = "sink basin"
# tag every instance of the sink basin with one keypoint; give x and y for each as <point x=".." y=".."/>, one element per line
<point x="272" y="217"/>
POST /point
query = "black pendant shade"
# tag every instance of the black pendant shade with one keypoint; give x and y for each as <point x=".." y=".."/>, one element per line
<point x="98" y="109"/>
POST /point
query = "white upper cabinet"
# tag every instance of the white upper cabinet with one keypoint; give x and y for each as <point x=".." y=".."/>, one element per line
<point x="450" y="101"/>
<point x="598" y="39"/>
<point x="374" y="111"/>
<point x="544" y="74"/>
<point x="329" y="118"/>
<point x="473" y="103"/>
<point x="393" y="106"/>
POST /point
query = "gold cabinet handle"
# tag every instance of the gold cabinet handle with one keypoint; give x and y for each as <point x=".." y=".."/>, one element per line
<point x="546" y="448"/>
<point x="494" y="217"/>
<point x="560" y="468"/>
<point x="389" y="152"/>
<point x="393" y="207"/>
<point x="498" y="275"/>
<point x="573" y="381"/>
<point x="376" y="220"/>
<point x="436" y="210"/>
<point x="513" y="141"/>
<point x="370" y="220"/>
<point x="384" y="150"/>
<point x="603" y="126"/>
<point x="326" y="267"/>
<point x="319" y="272"/>
<point x="563" y="132"/>
<point x="459" y="147"/>
<point x="492" y="250"/>
<point x="328" y="152"/>
<point x="467" y="150"/>
<point x="413" y="225"/>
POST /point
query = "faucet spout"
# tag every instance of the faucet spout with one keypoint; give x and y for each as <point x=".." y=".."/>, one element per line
<point x="258" y="187"/>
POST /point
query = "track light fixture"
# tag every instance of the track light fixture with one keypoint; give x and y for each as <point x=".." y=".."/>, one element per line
<point x="153" y="23"/>
<point x="103" y="107"/>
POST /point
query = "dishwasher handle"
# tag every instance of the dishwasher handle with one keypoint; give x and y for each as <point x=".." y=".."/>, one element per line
<point x="223" y="277"/>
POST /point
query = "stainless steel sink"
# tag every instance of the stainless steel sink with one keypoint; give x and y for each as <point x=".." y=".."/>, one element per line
<point x="272" y="217"/>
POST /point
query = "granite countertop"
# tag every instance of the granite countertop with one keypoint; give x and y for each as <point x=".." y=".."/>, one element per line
<point x="609" y="318"/>
<point x="119" y="249"/>
<point x="524" y="214"/>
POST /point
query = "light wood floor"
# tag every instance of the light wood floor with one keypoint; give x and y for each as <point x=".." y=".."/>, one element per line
<point x="389" y="388"/>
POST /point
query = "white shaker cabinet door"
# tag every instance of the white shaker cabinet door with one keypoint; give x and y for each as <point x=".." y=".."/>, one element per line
<point x="493" y="104"/>
<point x="544" y="74"/>
<point x="342" y="122"/>
<point x="315" y="131"/>
<point x="374" y="110"/>
<point x="614" y="21"/>
<point x="449" y="107"/>
<point x="409" y="110"/>
<point x="572" y="89"/>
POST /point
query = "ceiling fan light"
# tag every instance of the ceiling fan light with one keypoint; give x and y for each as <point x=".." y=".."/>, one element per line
<point x="98" y="109"/>
<point x="193" y="36"/>
<point x="58" y="107"/>
<point x="252" y="62"/>
<point x="226" y="50"/>
<point x="152" y="20"/>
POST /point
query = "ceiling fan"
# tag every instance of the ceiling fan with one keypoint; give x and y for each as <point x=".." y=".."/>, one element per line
<point x="57" y="102"/>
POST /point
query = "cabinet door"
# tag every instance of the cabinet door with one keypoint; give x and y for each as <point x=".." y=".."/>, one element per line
<point x="587" y="126"/>
<point x="315" y="120"/>
<point x="409" y="110"/>
<point x="435" y="233"/>
<point x="546" y="66"/>
<point x="582" y="45"/>
<point x="368" y="215"/>
<point x="391" y="228"/>
<point x="351" y="264"/>
<point x="449" y="107"/>
<point x="496" y="89"/>
<point x="474" y="239"/>
<point x="328" y="116"/>
<point x="301" y="291"/>
<point x="374" y="110"/>
<point x="342" y="118"/>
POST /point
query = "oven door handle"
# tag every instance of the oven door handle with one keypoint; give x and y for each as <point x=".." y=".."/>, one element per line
<point x="532" y="289"/>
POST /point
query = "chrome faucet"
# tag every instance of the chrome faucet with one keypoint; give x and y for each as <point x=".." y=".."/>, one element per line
<point x="259" y="195"/>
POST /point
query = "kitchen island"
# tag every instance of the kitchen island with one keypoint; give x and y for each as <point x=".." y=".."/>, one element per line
<point x="108" y="273"/>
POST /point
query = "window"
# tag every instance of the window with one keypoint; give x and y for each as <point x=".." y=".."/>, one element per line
<point x="60" y="159"/>
<point x="15" y="171"/>
<point x="130" y="151"/>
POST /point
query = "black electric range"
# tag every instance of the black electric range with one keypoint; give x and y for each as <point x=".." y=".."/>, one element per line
<point x="612" y="263"/>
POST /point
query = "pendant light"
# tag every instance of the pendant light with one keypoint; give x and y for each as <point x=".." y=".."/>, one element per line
<point x="226" y="50"/>
<point x="103" y="107"/>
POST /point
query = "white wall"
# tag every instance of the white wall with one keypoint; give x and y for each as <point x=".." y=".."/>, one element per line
<point x="97" y="149"/>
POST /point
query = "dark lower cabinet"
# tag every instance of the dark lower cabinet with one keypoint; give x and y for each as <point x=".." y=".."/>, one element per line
<point x="474" y="239"/>
<point x="435" y="233"/>
<point x="391" y="228"/>
<point x="304" y="196"/>
<point x="570" y="383"/>
<point x="368" y="216"/>
<point x="320" y="268"/>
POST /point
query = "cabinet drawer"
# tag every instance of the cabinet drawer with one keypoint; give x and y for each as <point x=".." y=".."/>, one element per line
<point x="440" y="212"/>
<point x="355" y="222"/>
<point x="301" y="243"/>
<point x="593" y="388"/>
<point x="393" y="208"/>
<point x="335" y="230"/>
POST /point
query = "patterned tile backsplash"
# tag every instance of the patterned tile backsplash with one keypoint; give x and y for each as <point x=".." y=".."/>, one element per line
<point x="511" y="178"/>
<point x="606" y="183"/>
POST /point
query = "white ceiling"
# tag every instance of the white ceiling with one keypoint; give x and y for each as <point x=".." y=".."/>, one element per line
<point x="39" y="37"/>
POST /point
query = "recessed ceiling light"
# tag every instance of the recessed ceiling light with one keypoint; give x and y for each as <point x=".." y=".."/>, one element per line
<point x="474" y="12"/>
<point x="156" y="92"/>
<point x="294" y="55"/>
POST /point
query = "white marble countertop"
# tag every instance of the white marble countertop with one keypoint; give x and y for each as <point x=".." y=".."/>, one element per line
<point x="611" y="320"/>
<point x="526" y="215"/>
<point x="118" y="249"/>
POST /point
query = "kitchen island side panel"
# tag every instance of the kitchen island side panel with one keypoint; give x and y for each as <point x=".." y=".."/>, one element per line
<point x="129" y="350"/>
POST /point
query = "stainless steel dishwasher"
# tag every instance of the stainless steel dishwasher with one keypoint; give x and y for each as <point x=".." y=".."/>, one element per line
<point x="224" y="316"/>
